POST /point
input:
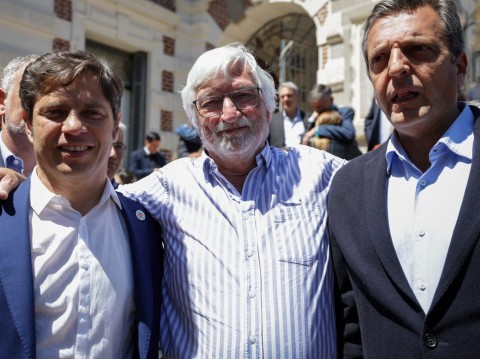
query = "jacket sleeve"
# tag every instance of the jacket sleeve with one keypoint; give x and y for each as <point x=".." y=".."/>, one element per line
<point x="349" y="341"/>
<point x="344" y="132"/>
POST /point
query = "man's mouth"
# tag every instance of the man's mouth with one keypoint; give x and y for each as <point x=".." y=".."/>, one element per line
<point x="74" y="148"/>
<point x="404" y="96"/>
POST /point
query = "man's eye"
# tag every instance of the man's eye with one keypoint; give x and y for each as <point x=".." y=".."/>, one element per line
<point x="55" y="114"/>
<point x="93" y="114"/>
<point x="211" y="102"/>
<point x="377" y="62"/>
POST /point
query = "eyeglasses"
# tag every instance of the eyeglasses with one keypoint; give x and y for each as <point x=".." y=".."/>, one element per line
<point x="119" y="146"/>
<point x="211" y="106"/>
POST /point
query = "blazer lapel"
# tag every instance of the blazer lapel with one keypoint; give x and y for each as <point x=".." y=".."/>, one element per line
<point x="16" y="275"/>
<point x="467" y="229"/>
<point x="146" y="262"/>
<point x="375" y="196"/>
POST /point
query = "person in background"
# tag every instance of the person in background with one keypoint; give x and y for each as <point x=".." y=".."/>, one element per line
<point x="147" y="159"/>
<point x="403" y="220"/>
<point x="116" y="155"/>
<point x="330" y="127"/>
<point x="16" y="151"/>
<point x="288" y="125"/>
<point x="80" y="272"/>
<point x="189" y="142"/>
<point x="377" y="127"/>
<point x="123" y="176"/>
<point x="473" y="93"/>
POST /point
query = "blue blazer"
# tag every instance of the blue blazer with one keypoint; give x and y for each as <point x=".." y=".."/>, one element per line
<point x="17" y="313"/>
<point x="378" y="315"/>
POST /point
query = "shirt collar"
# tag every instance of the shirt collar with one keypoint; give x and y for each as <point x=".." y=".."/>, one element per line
<point x="297" y="117"/>
<point x="4" y="149"/>
<point x="41" y="196"/>
<point x="458" y="139"/>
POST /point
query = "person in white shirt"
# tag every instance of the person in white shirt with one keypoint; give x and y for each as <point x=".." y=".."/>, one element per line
<point x="288" y="125"/>
<point x="80" y="276"/>
<point x="403" y="222"/>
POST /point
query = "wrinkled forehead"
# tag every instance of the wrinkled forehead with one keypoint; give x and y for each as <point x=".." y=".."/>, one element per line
<point x="232" y="77"/>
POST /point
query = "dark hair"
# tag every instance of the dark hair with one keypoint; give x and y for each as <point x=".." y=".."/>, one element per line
<point x="60" y="69"/>
<point x="319" y="91"/>
<point x="446" y="10"/>
<point x="152" y="136"/>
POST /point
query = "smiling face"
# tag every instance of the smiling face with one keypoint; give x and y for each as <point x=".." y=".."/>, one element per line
<point x="414" y="77"/>
<point x="234" y="133"/>
<point x="72" y="132"/>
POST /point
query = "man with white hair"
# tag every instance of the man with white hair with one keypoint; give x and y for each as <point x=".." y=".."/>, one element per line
<point x="247" y="270"/>
<point x="16" y="151"/>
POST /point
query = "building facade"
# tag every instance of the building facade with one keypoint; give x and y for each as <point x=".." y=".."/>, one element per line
<point x="153" y="44"/>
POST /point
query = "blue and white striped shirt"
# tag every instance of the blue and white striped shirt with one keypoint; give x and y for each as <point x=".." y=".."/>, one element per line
<point x="246" y="275"/>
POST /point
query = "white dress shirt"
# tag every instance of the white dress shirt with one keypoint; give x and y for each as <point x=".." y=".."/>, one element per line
<point x="83" y="282"/>
<point x="246" y="275"/>
<point x="423" y="207"/>
<point x="294" y="129"/>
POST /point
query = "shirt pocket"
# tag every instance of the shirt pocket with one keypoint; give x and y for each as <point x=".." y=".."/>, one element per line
<point x="298" y="232"/>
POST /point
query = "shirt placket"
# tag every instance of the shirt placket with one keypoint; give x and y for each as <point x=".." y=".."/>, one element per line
<point x="253" y="279"/>
<point x="84" y="292"/>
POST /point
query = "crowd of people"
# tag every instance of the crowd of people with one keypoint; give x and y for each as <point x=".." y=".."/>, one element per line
<point x="272" y="236"/>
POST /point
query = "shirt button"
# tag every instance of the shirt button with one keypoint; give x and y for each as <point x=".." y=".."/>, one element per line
<point x="252" y="339"/>
<point x="423" y="183"/>
<point x="84" y="265"/>
<point x="422" y="287"/>
<point x="430" y="341"/>
<point x="252" y="294"/>
<point x="250" y="253"/>
<point x="421" y="233"/>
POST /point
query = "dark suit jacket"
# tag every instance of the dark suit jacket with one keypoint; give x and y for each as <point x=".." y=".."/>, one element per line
<point x="276" y="136"/>
<point x="17" y="313"/>
<point x="372" y="126"/>
<point x="374" y="298"/>
<point x="142" y="164"/>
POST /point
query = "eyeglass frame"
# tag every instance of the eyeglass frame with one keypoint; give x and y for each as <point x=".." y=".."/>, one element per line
<point x="119" y="146"/>
<point x="230" y="97"/>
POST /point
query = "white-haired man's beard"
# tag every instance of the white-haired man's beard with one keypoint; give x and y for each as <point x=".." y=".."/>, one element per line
<point x="249" y="138"/>
<point x="16" y="129"/>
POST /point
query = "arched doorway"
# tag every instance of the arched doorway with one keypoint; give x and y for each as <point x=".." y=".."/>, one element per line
<point x="286" y="46"/>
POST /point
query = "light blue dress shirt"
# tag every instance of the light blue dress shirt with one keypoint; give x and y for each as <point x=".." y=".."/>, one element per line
<point x="423" y="207"/>
<point x="247" y="275"/>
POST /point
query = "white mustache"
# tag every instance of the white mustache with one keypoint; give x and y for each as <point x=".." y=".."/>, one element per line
<point x="225" y="126"/>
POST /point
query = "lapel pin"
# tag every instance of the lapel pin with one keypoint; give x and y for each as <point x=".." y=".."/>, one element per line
<point x="140" y="215"/>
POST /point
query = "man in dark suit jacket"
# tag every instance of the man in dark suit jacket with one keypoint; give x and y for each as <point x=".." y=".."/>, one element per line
<point x="372" y="126"/>
<point x="147" y="159"/>
<point x="287" y="125"/>
<point x="79" y="272"/>
<point x="402" y="219"/>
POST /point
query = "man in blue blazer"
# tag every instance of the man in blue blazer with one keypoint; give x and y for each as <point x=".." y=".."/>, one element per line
<point x="403" y="219"/>
<point x="80" y="273"/>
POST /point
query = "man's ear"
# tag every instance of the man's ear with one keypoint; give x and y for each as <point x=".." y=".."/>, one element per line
<point x="462" y="62"/>
<point x="116" y="127"/>
<point x="3" y="97"/>
<point x="28" y="126"/>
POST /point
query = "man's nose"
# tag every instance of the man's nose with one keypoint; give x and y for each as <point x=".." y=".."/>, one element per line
<point x="398" y="63"/>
